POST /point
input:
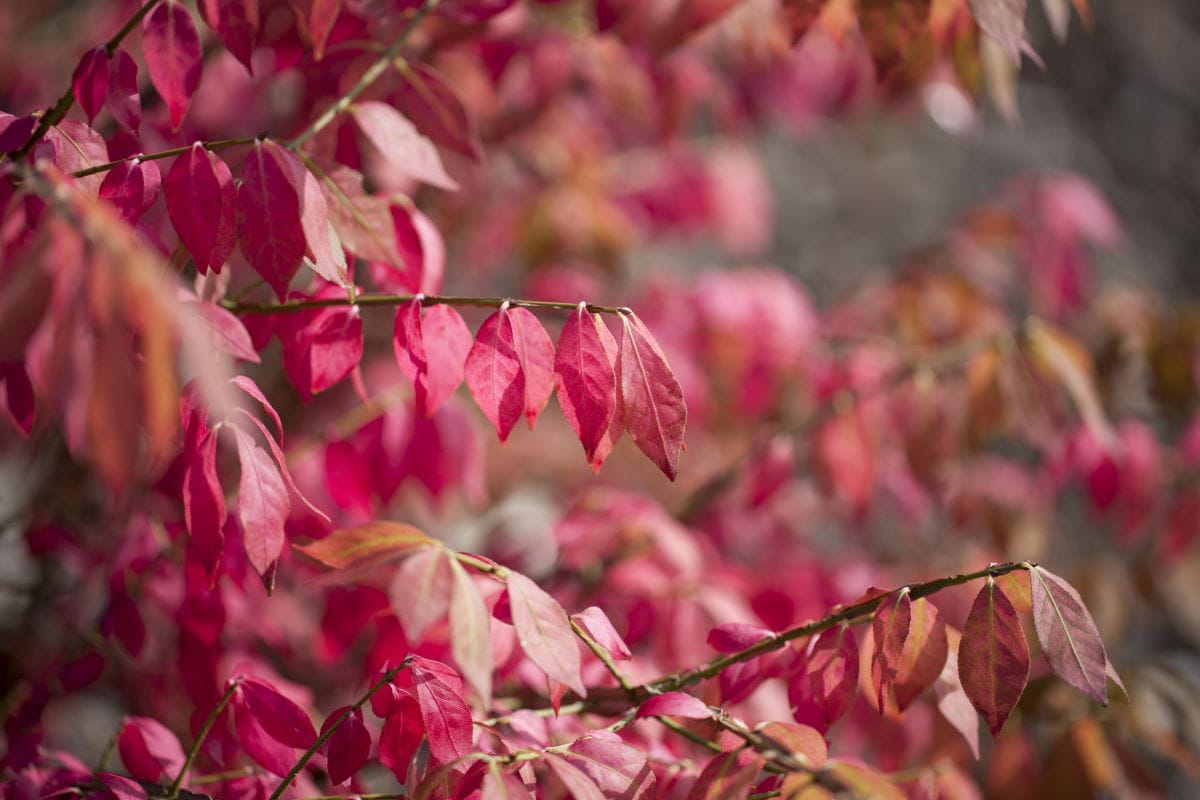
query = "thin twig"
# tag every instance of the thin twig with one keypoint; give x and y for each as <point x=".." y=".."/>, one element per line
<point x="293" y="306"/>
<point x="173" y="789"/>
<point x="219" y="144"/>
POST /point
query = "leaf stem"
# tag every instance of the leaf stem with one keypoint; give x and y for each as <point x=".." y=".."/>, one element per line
<point x="173" y="789"/>
<point x="219" y="144"/>
<point x="605" y="657"/>
<point x="293" y="306"/>
<point x="370" y="76"/>
<point x="56" y="114"/>
<point x="328" y="732"/>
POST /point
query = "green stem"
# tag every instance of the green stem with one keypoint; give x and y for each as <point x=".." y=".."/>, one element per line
<point x="56" y="114"/>
<point x="219" y="144"/>
<point x="173" y="789"/>
<point x="293" y="306"/>
<point x="328" y="732"/>
<point x="605" y="657"/>
<point x="370" y="76"/>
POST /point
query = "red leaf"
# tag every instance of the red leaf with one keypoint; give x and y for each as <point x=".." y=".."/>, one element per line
<point x="545" y="632"/>
<point x="1068" y="635"/>
<point x="493" y="373"/>
<point x="954" y="704"/>
<point x="433" y="364"/>
<point x="131" y="186"/>
<point x="597" y="624"/>
<point x="585" y="379"/>
<point x="576" y="781"/>
<point x="470" y="633"/>
<point x="347" y="477"/>
<point x="123" y="100"/>
<point x="201" y="201"/>
<point x="674" y="704"/>
<point x="893" y="618"/>
<point x="90" y="81"/>
<point x="350" y="745"/>
<point x="19" y="399"/>
<point x="401" y="735"/>
<point x="822" y="690"/>
<point x="617" y="426"/>
<point x="431" y="103"/>
<point x="269" y="227"/>
<point x="923" y="655"/>
<point x="283" y="720"/>
<point x="620" y="771"/>
<point x="236" y="24"/>
<point x="347" y="547"/>
<point x="122" y="788"/>
<point x="420" y="591"/>
<point x="734" y="636"/>
<point x="266" y="751"/>
<point x="263" y="504"/>
<point x="993" y="657"/>
<point x="204" y="506"/>
<point x="149" y="751"/>
<point x="399" y="142"/>
<point x="652" y="401"/>
<point x="535" y="351"/>
<point x="447" y="718"/>
<point x="173" y="56"/>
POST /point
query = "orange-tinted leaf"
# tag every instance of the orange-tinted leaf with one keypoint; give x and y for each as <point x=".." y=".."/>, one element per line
<point x="993" y="657"/>
<point x="347" y="547"/>
<point x="923" y="656"/>
<point x="893" y="618"/>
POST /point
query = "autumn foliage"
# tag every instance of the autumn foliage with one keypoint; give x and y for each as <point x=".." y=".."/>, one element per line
<point x="278" y="278"/>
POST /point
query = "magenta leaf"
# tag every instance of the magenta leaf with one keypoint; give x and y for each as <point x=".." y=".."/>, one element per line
<point x="493" y="373"/>
<point x="90" y="81"/>
<point x="173" y="56"/>
<point x="266" y="751"/>
<point x="445" y="715"/>
<point x="131" y="187"/>
<point x="204" y="505"/>
<point x="122" y="788"/>
<point x="576" y="781"/>
<point x="617" y="769"/>
<point x="584" y="377"/>
<point x="500" y="785"/>
<point x="823" y="688"/>
<point x="1068" y="636"/>
<point x="597" y="624"/>
<point x="315" y="19"/>
<point x="431" y="346"/>
<point x="535" y="352"/>
<point x="652" y="400"/>
<point x="734" y="636"/>
<point x="283" y="720"/>
<point x="263" y="504"/>
<point x="123" y="100"/>
<point x="674" y="704"/>
<point x="399" y="142"/>
<point x="350" y="745"/>
<point x="545" y="632"/>
<point x="236" y="24"/>
<point x="201" y="203"/>
<point x="321" y="240"/>
<point x="269" y="226"/>
<point x="402" y="733"/>
<point x="225" y="331"/>
<point x="993" y="657"/>
<point x="149" y="751"/>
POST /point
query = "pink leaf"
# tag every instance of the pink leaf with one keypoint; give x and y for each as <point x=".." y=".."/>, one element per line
<point x="1068" y="635"/>
<point x="893" y="617"/>
<point x="585" y="378"/>
<point x="654" y="411"/>
<point x="500" y="785"/>
<point x="398" y="141"/>
<point x="401" y="735"/>
<point x="419" y="263"/>
<point x="535" y="352"/>
<point x="201" y="201"/>
<point x="123" y="100"/>
<point x="617" y="769"/>
<point x="674" y="704"/>
<point x="447" y="718"/>
<point x="149" y="751"/>
<point x="470" y="632"/>
<point x="283" y="720"/>
<point x="576" y="781"/>
<point x="319" y="235"/>
<point x="347" y="477"/>
<point x="173" y="56"/>
<point x="350" y="745"/>
<point x="617" y="425"/>
<point x="281" y="462"/>
<point x="545" y="632"/>
<point x="434" y="363"/>
<point x="131" y="187"/>
<point x="493" y="373"/>
<point x="734" y="636"/>
<point x="269" y="226"/>
<point x="204" y="506"/>
<point x="420" y="591"/>
<point x="225" y="331"/>
<point x="263" y="504"/>
<point x="90" y="81"/>
<point x="247" y="385"/>
<point x="822" y="690"/>
<point x="266" y="751"/>
<point x="122" y="788"/>
<point x="597" y="624"/>
<point x="363" y="222"/>
<point x="993" y="657"/>
<point x="431" y="103"/>
<point x="236" y="24"/>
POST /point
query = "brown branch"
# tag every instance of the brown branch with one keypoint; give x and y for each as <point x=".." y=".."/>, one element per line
<point x="367" y="300"/>
<point x="218" y="144"/>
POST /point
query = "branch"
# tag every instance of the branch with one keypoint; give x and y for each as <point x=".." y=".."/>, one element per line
<point x="293" y="306"/>
<point x="56" y="114"/>
<point x="370" y="76"/>
<point x="324" y="737"/>
<point x="173" y="790"/>
<point x="219" y="144"/>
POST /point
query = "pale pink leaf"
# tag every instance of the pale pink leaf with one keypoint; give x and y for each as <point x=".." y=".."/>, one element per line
<point x="263" y="503"/>
<point x="597" y="624"/>
<point x="401" y="145"/>
<point x="617" y="769"/>
<point x="173" y="56"/>
<point x="954" y="704"/>
<point x="319" y="235"/>
<point x="578" y="784"/>
<point x="420" y="591"/>
<point x="500" y="785"/>
<point x="734" y="636"/>
<point x="652" y="400"/>
<point x="535" y="352"/>
<point x="1069" y="639"/>
<point x="545" y="632"/>
<point x="674" y="704"/>
<point x="470" y="632"/>
<point x="225" y="331"/>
